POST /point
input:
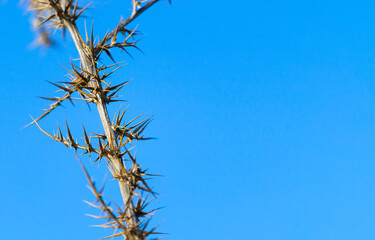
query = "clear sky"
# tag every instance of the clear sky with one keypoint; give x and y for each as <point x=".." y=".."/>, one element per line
<point x="264" y="113"/>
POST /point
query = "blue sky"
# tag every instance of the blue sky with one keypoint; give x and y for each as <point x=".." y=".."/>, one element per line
<point x="263" y="110"/>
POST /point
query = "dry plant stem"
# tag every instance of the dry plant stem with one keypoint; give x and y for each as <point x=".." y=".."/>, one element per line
<point x="87" y="79"/>
<point x="107" y="125"/>
<point x="135" y="14"/>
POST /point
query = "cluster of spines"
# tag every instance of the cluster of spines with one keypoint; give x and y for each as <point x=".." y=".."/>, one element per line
<point x="134" y="175"/>
<point x="117" y="219"/>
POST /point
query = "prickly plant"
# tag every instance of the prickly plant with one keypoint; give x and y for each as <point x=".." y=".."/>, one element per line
<point x="88" y="81"/>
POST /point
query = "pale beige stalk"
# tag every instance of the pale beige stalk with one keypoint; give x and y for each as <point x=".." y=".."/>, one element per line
<point x="66" y="20"/>
<point x="106" y="122"/>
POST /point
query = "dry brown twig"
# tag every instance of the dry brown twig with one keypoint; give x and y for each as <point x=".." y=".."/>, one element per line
<point x="89" y="81"/>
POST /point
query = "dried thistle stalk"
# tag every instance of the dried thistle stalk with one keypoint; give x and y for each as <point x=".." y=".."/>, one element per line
<point x="89" y="81"/>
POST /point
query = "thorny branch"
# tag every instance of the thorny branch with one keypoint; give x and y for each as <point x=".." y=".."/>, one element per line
<point x="89" y="81"/>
